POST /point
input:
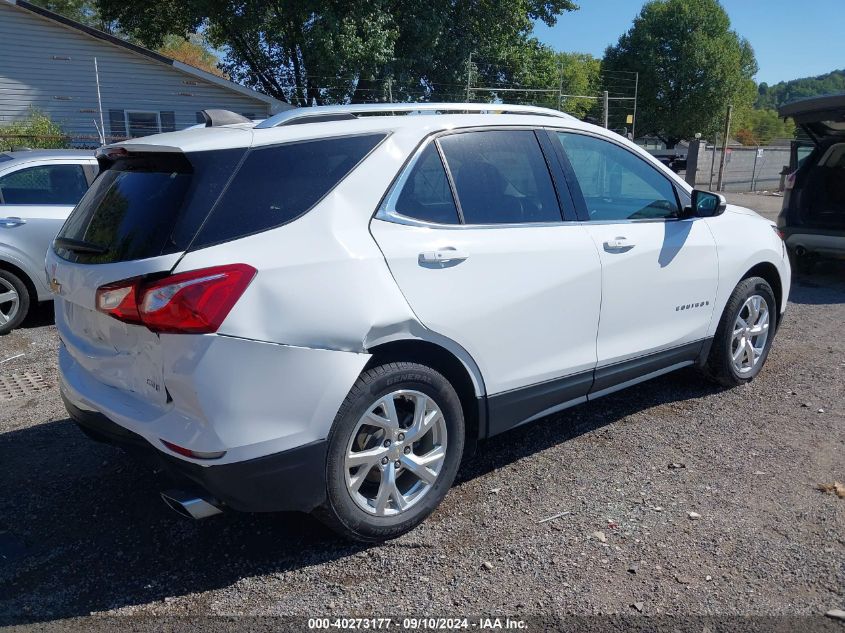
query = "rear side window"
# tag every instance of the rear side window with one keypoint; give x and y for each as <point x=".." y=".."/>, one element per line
<point x="44" y="184"/>
<point x="278" y="184"/>
<point x="501" y="177"/>
<point x="426" y="194"/>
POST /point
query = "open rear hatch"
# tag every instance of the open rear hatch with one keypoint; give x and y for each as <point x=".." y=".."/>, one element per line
<point x="815" y="191"/>
<point x="129" y="230"/>
<point x="820" y="117"/>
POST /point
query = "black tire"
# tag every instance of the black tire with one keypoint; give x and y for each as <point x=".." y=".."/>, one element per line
<point x="23" y="301"/>
<point x="719" y="365"/>
<point x="340" y="512"/>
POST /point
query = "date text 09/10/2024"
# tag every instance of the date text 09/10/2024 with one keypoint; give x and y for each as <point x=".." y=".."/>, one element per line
<point x="415" y="624"/>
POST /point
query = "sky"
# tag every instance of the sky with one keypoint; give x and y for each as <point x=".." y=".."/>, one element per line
<point x="791" y="38"/>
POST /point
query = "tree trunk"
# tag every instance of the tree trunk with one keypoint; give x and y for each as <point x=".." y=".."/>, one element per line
<point x="367" y="91"/>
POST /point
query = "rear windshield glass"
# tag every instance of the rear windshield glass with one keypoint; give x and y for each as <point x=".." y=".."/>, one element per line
<point x="157" y="204"/>
<point x="278" y="184"/>
<point x="145" y="206"/>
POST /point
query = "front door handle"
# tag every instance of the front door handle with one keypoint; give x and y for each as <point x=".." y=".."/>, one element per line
<point x="619" y="243"/>
<point x="11" y="222"/>
<point x="443" y="256"/>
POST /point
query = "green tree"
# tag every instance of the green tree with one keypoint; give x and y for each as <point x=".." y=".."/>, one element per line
<point x="36" y="131"/>
<point x="760" y="127"/>
<point x="305" y="51"/>
<point x="535" y="74"/>
<point x="84" y="11"/>
<point x="192" y="50"/>
<point x="581" y="74"/>
<point x="691" y="66"/>
<point x="784" y="92"/>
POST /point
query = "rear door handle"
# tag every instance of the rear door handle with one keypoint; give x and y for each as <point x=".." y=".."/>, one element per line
<point x="11" y="222"/>
<point x="620" y="243"/>
<point x="443" y="256"/>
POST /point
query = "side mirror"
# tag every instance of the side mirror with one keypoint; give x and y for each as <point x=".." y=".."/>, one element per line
<point x="705" y="205"/>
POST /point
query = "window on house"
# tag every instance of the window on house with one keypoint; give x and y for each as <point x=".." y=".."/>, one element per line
<point x="139" y="123"/>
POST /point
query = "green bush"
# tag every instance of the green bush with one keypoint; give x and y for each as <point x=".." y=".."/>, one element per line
<point x="36" y="131"/>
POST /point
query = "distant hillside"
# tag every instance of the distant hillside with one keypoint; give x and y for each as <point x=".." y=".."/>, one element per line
<point x="772" y="97"/>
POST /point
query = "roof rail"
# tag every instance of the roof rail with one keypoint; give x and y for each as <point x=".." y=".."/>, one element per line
<point x="317" y="114"/>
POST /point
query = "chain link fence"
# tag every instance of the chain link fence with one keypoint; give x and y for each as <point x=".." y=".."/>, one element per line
<point x="746" y="168"/>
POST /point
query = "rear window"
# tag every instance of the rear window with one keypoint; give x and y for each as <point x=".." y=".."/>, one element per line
<point x="277" y="184"/>
<point x="157" y="204"/>
<point x="147" y="205"/>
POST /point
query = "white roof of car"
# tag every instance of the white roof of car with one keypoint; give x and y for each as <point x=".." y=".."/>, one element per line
<point x="39" y="154"/>
<point x="323" y="121"/>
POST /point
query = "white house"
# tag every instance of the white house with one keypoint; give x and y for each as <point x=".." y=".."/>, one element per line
<point x="47" y="63"/>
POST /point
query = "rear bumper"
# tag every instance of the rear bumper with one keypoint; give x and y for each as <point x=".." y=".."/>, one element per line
<point x="290" y="480"/>
<point x="822" y="242"/>
<point x="242" y="398"/>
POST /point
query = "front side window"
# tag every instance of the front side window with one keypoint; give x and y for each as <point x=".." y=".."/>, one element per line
<point x="616" y="184"/>
<point x="44" y="184"/>
<point x="426" y="194"/>
<point x="501" y="177"/>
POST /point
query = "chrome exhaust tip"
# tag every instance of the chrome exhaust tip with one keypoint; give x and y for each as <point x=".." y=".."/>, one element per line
<point x="189" y="504"/>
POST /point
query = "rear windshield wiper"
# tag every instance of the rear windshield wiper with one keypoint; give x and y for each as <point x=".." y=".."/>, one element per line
<point x="80" y="246"/>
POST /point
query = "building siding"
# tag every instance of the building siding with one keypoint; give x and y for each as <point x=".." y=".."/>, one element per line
<point x="50" y="67"/>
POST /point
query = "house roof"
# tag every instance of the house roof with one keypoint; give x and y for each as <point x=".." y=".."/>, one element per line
<point x="276" y="104"/>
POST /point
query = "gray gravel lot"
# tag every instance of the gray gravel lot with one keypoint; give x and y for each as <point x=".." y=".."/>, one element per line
<point x="82" y="529"/>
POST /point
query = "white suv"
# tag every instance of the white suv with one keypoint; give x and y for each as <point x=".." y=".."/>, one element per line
<point x="325" y="311"/>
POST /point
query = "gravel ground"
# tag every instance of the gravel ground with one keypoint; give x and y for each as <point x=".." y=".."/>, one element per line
<point x="82" y="529"/>
<point x="766" y="204"/>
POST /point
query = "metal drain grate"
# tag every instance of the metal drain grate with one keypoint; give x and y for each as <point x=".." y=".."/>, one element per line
<point x="20" y="385"/>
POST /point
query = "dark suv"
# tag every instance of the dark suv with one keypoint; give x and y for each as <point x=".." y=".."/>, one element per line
<point x="812" y="220"/>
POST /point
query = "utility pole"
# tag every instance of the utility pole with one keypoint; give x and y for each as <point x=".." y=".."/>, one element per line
<point x="634" y="118"/>
<point x="560" y="86"/>
<point x="712" y="164"/>
<point x="469" y="75"/>
<point x="720" y="182"/>
<point x="102" y="130"/>
<point x="605" y="108"/>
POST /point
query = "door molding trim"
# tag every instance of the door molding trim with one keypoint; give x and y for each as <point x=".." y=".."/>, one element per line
<point x="626" y="372"/>
<point x="509" y="409"/>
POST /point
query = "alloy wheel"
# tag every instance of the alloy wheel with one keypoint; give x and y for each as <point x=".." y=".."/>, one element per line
<point x="9" y="301"/>
<point x="395" y="453"/>
<point x="750" y="333"/>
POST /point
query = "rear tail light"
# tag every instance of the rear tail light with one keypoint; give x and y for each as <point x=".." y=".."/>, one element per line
<point x="790" y="181"/>
<point x="120" y="300"/>
<point x="779" y="232"/>
<point x="195" y="302"/>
